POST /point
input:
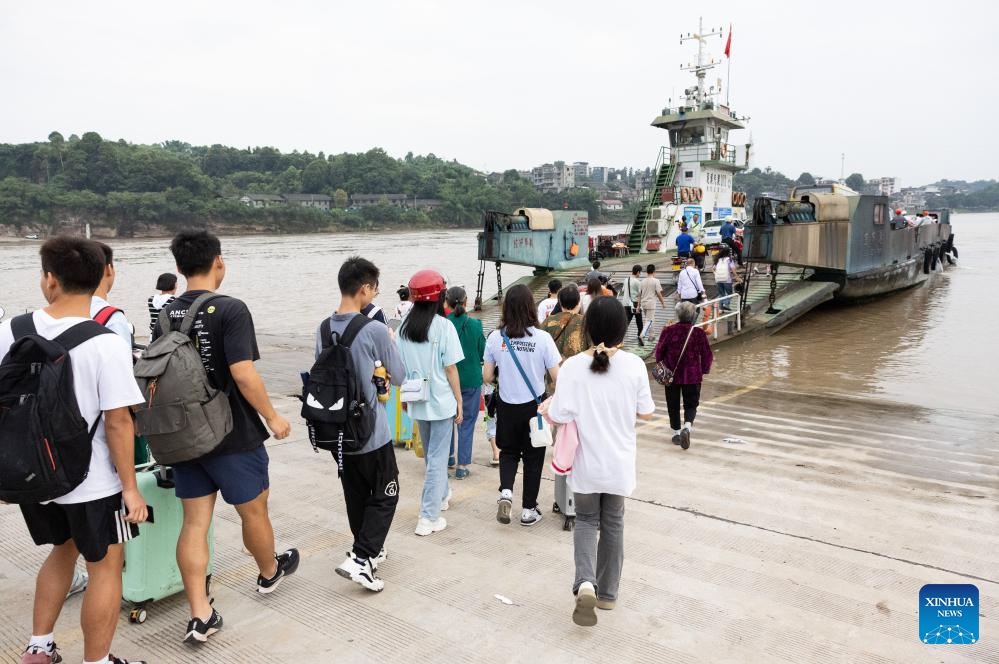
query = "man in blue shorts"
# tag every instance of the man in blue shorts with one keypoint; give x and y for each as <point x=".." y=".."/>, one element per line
<point x="237" y="468"/>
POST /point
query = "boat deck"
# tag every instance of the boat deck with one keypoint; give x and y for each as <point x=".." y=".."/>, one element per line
<point x="806" y="542"/>
<point x="791" y="285"/>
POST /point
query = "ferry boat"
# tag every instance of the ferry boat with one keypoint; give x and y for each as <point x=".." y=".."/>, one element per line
<point x="851" y="239"/>
<point x="694" y="174"/>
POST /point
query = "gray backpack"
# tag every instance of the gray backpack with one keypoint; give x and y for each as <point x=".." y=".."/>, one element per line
<point x="184" y="417"/>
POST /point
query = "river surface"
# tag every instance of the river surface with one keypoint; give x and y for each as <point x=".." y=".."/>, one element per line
<point x="928" y="346"/>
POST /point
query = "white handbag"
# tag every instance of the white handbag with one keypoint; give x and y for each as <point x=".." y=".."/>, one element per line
<point x="541" y="432"/>
<point x="414" y="389"/>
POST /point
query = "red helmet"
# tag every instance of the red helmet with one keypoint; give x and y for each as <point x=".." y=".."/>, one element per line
<point x="426" y="286"/>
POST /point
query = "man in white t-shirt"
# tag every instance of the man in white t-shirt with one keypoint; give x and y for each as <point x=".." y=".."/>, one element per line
<point x="100" y="514"/>
<point x="548" y="304"/>
<point x="101" y="310"/>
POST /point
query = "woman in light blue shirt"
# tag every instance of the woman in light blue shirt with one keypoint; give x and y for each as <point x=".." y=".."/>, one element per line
<point x="431" y="350"/>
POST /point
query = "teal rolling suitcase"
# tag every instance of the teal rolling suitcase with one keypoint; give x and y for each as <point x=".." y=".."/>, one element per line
<point x="151" y="571"/>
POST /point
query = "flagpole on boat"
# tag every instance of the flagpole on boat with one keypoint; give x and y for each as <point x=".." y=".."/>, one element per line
<point x="728" y="56"/>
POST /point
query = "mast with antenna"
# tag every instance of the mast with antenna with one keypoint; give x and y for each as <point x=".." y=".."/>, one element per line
<point x="699" y="94"/>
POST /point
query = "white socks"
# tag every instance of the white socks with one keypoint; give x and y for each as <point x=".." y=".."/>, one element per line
<point x="102" y="660"/>
<point x="688" y="426"/>
<point x="506" y="493"/>
<point x="43" y="642"/>
<point x="676" y="432"/>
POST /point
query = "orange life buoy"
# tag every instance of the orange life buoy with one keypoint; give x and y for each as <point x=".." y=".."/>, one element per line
<point x="724" y="150"/>
<point x="735" y="199"/>
<point x="685" y="194"/>
<point x="700" y="193"/>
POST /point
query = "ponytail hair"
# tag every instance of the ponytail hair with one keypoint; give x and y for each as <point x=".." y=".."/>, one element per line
<point x="456" y="299"/>
<point x="606" y="324"/>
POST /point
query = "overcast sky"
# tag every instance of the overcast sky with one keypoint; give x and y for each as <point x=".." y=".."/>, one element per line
<point x="902" y="88"/>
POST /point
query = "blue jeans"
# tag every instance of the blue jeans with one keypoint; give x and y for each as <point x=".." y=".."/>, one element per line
<point x="436" y="436"/>
<point x="470" y="400"/>
<point x="724" y="288"/>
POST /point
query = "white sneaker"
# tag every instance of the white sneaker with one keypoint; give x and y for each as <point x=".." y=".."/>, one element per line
<point x="428" y="527"/>
<point x="361" y="572"/>
<point x="80" y="580"/>
<point x="379" y="559"/>
<point x="447" y="500"/>
<point x="586" y="599"/>
<point x="529" y="517"/>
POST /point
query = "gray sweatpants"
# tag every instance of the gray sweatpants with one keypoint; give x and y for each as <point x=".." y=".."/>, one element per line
<point x="599" y="556"/>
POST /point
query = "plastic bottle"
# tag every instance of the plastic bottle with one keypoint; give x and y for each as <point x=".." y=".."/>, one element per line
<point x="381" y="381"/>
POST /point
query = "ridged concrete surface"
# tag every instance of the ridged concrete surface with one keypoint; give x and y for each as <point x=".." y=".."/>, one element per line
<point x="808" y="542"/>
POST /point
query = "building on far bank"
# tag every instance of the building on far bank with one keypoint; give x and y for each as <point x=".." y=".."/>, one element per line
<point x="318" y="201"/>
<point x="599" y="174"/>
<point x="262" y="200"/>
<point x="887" y="186"/>
<point x="553" y="177"/>
<point x="612" y="205"/>
<point x="581" y="170"/>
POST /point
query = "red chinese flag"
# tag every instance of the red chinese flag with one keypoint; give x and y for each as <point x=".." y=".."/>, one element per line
<point x="728" y="43"/>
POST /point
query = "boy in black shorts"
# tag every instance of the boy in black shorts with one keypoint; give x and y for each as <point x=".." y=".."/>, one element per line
<point x="237" y="468"/>
<point x="96" y="517"/>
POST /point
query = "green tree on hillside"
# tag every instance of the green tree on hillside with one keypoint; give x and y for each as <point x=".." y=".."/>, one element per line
<point x="855" y="181"/>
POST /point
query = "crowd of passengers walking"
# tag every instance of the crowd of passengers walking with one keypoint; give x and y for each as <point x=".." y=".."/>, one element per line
<point x="546" y="365"/>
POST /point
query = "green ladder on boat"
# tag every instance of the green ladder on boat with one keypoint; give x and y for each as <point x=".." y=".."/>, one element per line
<point x="665" y="170"/>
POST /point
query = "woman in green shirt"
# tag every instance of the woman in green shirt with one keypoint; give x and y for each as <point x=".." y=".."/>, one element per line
<point x="473" y="345"/>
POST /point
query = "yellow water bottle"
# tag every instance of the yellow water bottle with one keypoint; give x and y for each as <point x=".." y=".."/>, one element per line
<point x="381" y="381"/>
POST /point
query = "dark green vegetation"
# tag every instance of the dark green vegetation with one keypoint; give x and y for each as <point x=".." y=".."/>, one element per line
<point x="174" y="185"/>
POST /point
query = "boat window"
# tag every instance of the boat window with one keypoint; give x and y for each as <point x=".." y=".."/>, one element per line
<point x="879" y="213"/>
<point x="688" y="174"/>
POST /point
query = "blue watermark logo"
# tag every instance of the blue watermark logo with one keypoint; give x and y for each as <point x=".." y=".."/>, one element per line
<point x="948" y="613"/>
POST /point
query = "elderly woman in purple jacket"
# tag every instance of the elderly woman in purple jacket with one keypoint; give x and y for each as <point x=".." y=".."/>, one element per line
<point x="689" y="366"/>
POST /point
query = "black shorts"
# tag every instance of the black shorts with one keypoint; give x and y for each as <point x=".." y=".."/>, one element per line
<point x="93" y="526"/>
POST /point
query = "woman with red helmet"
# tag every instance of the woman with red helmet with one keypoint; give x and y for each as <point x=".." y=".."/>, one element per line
<point x="431" y="350"/>
<point x="519" y="342"/>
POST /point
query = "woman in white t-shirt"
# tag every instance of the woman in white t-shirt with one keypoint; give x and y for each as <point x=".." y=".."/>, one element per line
<point x="724" y="275"/>
<point x="519" y="397"/>
<point x="603" y="390"/>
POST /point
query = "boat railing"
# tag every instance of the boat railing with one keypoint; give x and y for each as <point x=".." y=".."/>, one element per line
<point x="721" y="152"/>
<point x="734" y="305"/>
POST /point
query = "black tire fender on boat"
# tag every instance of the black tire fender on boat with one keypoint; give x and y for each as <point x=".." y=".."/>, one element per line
<point x="935" y="253"/>
<point x="926" y="261"/>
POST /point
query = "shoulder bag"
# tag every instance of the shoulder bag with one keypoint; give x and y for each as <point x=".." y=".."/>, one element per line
<point x="541" y="433"/>
<point x="662" y="373"/>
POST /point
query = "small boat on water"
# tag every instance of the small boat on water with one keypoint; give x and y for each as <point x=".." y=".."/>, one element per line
<point x="850" y="239"/>
<point x="33" y="236"/>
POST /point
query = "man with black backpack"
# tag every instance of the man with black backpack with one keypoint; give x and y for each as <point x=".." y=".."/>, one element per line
<point x="361" y="441"/>
<point x="66" y="446"/>
<point x="237" y="467"/>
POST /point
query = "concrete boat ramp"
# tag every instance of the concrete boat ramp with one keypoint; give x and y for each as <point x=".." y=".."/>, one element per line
<point x="806" y="540"/>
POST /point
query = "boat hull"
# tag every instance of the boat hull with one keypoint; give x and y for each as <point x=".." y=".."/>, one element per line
<point x="879" y="281"/>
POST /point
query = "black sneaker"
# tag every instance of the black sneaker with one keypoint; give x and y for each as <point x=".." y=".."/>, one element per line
<point x="198" y="631"/>
<point x="684" y="438"/>
<point x="287" y="563"/>
<point x="36" y="655"/>
<point x="118" y="660"/>
<point x="676" y="439"/>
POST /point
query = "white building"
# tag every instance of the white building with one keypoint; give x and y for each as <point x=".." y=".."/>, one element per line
<point x="553" y="177"/>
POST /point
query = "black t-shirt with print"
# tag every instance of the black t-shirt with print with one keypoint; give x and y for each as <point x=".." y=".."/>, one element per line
<point x="224" y="334"/>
